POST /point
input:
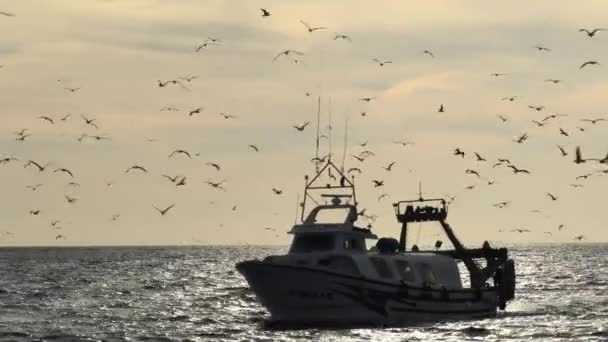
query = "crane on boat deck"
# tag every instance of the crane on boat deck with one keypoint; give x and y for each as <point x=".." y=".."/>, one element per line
<point x="416" y="211"/>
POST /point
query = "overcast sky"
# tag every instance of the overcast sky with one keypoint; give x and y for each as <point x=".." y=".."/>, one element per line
<point x="115" y="51"/>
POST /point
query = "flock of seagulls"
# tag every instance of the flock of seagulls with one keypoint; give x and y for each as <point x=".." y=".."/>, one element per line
<point x="295" y="56"/>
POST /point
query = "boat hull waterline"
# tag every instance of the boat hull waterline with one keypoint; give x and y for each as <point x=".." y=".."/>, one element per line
<point x="301" y="294"/>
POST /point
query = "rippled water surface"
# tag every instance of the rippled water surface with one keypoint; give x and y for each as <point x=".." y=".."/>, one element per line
<point x="194" y="293"/>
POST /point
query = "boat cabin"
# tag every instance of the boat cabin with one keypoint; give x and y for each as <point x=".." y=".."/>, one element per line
<point x="318" y="235"/>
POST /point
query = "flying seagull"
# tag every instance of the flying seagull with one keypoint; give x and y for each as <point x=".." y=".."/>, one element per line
<point x="302" y="126"/>
<point x="381" y="63"/>
<point x="180" y="152"/>
<point x="591" y="33"/>
<point x="589" y="63"/>
<point x="64" y="170"/>
<point x="265" y="12"/>
<point x="40" y="167"/>
<point x="136" y="167"/>
<point x="287" y="53"/>
<point x="164" y="211"/>
<point x="312" y="29"/>
<point x="342" y="36"/>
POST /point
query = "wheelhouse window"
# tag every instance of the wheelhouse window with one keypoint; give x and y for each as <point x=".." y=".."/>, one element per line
<point x="354" y="244"/>
<point x="340" y="263"/>
<point x="312" y="243"/>
<point x="382" y="267"/>
<point x="405" y="270"/>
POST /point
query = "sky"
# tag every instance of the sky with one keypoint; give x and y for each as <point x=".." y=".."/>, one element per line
<point x="116" y="51"/>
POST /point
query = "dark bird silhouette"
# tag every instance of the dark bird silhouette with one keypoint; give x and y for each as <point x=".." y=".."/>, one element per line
<point x="66" y="117"/>
<point x="7" y="160"/>
<point x="359" y="158"/>
<point x="472" y="172"/>
<point x="593" y="121"/>
<point x="302" y="126"/>
<point x="227" y="116"/>
<point x="88" y="121"/>
<point x="381" y="63"/>
<point x="536" y="108"/>
<point x="539" y="124"/>
<point x="458" y="152"/>
<point x="479" y="157"/>
<point x="195" y="111"/>
<point x="277" y="191"/>
<point x="214" y="165"/>
<point x="181" y="182"/>
<point x="342" y="36"/>
<point x="164" y="211"/>
<point x="553" y="197"/>
<point x="287" y="53"/>
<point x="441" y="109"/>
<point x="554" y="81"/>
<point x="196" y="49"/>
<point x="521" y="139"/>
<point x="579" y="237"/>
<point x="552" y="116"/>
<point x="354" y="169"/>
<point x="501" y="204"/>
<point x="254" y="147"/>
<point x="71" y="90"/>
<point x="136" y="167"/>
<point x="589" y="63"/>
<point x="577" y="185"/>
<point x="189" y="78"/>
<point x="562" y="150"/>
<point x="470" y="187"/>
<point x="377" y="183"/>
<point x="64" y="170"/>
<point x="509" y="98"/>
<point x="7" y="14"/>
<point x="33" y="187"/>
<point x="591" y="33"/>
<point x="390" y="166"/>
<point x="520" y="230"/>
<point x="496" y="74"/>
<point x="427" y="52"/>
<point x="22" y="137"/>
<point x="312" y="29"/>
<point x="403" y="143"/>
<point x="382" y="196"/>
<point x="47" y="118"/>
<point x="564" y="133"/>
<point x="172" y="179"/>
<point x="585" y="176"/>
<point x="367" y="99"/>
<point x="169" y="108"/>
<point x="265" y="12"/>
<point x="40" y="167"/>
<point x="70" y="200"/>
<point x="517" y="170"/>
<point x="542" y="48"/>
<point x="560" y="227"/>
<point x="217" y="185"/>
<point x="502" y="118"/>
<point x="35" y="212"/>
<point x="184" y="152"/>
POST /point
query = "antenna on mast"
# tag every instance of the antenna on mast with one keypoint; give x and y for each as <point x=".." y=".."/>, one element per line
<point x="329" y="127"/>
<point x="295" y="219"/>
<point x="345" y="142"/>
<point x="318" y="132"/>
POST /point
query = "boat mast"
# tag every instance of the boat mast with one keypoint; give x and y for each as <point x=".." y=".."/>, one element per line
<point x="318" y="133"/>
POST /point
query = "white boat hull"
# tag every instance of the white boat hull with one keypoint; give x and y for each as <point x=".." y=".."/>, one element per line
<point x="299" y="294"/>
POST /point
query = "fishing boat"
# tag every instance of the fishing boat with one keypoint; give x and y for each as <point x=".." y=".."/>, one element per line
<point x="329" y="275"/>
